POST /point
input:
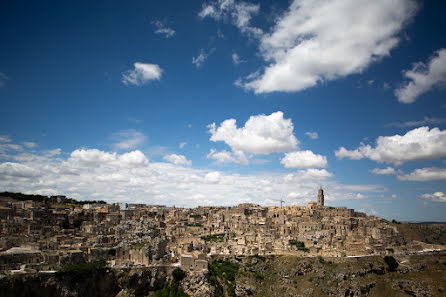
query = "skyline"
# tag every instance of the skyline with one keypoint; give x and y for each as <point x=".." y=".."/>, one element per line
<point x="225" y="102"/>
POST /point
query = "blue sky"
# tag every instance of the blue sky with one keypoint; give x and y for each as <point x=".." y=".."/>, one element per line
<point x="193" y="103"/>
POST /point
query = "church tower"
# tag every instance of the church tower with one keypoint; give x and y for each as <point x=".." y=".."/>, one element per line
<point x="320" y="197"/>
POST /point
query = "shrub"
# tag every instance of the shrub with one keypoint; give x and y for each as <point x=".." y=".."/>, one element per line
<point x="82" y="270"/>
<point x="391" y="263"/>
<point x="178" y="274"/>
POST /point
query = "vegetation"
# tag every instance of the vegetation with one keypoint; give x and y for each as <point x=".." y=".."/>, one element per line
<point x="299" y="244"/>
<point x="178" y="274"/>
<point x="247" y="212"/>
<point x="173" y="289"/>
<point x="391" y="263"/>
<point x="259" y="257"/>
<point x="224" y="271"/>
<point x="214" y="237"/>
<point x="170" y="290"/>
<point x="195" y="216"/>
<point x="390" y="250"/>
<point x="83" y="270"/>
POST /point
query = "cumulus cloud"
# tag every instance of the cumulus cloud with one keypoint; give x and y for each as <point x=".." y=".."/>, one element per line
<point x="91" y="157"/>
<point x="425" y="174"/>
<point x="123" y="177"/>
<point x="133" y="159"/>
<point x="161" y="28"/>
<point x="384" y="171"/>
<point x="142" y="74"/>
<point x="303" y="159"/>
<point x="312" y="135"/>
<point x="261" y="134"/>
<point x="128" y="139"/>
<point x="239" y="13"/>
<point x="423" y="78"/>
<point x="177" y="160"/>
<point x="17" y="170"/>
<point x="201" y="58"/>
<point x="416" y="145"/>
<point x="228" y="157"/>
<point x="309" y="174"/>
<point x="316" y="41"/>
<point x="435" y="197"/>
<point x="213" y="177"/>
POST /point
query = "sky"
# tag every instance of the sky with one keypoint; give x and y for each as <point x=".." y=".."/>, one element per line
<point x="221" y="102"/>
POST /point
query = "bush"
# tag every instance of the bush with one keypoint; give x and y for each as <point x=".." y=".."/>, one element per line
<point x="214" y="237"/>
<point x="391" y="263"/>
<point x="178" y="274"/>
<point x="82" y="270"/>
<point x="299" y="244"/>
<point x="170" y="290"/>
<point x="226" y="271"/>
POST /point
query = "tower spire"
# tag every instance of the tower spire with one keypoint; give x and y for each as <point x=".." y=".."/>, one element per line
<point x="320" y="197"/>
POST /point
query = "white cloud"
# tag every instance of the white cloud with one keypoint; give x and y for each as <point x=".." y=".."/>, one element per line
<point x="122" y="177"/>
<point x="313" y="173"/>
<point x="312" y="135"/>
<point x="309" y="174"/>
<point x="29" y="144"/>
<point x="384" y="171"/>
<point x="228" y="157"/>
<point x="142" y="74"/>
<point x="201" y="58"/>
<point x="236" y="59"/>
<point x="17" y="170"/>
<point x="177" y="160"/>
<point x="293" y="195"/>
<point x="91" y="157"/>
<point x="423" y="78"/>
<point x="239" y="13"/>
<point x="416" y="145"/>
<point x="316" y="41"/>
<point x="261" y="134"/>
<point x="435" y="197"/>
<point x="425" y="121"/>
<point x="4" y="147"/>
<point x="425" y="174"/>
<point x="342" y="152"/>
<point x="161" y="28"/>
<point x="213" y="177"/>
<point x="182" y="144"/>
<point x="303" y="159"/>
<point x="133" y="159"/>
<point x="128" y="139"/>
<point x="5" y="138"/>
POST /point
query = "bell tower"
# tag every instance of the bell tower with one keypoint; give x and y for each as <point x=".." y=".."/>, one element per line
<point x="320" y="197"/>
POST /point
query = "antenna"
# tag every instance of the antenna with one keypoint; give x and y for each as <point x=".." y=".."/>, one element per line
<point x="281" y="202"/>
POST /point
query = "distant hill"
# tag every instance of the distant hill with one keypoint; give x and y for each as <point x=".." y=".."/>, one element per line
<point x="45" y="199"/>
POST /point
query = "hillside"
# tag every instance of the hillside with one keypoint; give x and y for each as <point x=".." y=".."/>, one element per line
<point x="410" y="275"/>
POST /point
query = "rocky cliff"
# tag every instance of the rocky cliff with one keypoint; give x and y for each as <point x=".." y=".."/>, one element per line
<point x="410" y="275"/>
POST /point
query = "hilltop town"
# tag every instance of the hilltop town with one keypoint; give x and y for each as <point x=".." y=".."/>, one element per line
<point x="44" y="233"/>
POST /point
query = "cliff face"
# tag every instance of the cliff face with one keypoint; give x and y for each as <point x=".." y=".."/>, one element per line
<point x="413" y="275"/>
<point x="128" y="282"/>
